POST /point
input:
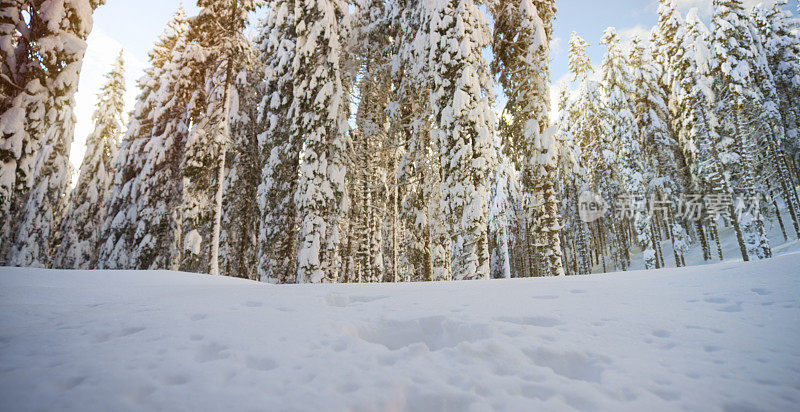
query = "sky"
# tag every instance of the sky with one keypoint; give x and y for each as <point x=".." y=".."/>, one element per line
<point x="134" y="26"/>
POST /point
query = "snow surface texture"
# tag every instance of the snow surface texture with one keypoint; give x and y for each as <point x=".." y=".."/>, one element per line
<point x="719" y="337"/>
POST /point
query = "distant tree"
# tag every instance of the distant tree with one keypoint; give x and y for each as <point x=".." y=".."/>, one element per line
<point x="82" y="226"/>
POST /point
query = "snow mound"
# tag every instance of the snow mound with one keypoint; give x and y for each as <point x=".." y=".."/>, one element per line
<point x="718" y="337"/>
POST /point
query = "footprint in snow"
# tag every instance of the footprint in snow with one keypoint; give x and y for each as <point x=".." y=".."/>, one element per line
<point x="732" y="308"/>
<point x="366" y="299"/>
<point x="261" y="364"/>
<point x="253" y="304"/>
<point x="588" y="367"/>
<point x="347" y="387"/>
<point x="337" y="301"/>
<point x="545" y="297"/>
<point x="70" y="383"/>
<point x="175" y="380"/>
<point x="661" y="333"/>
<point x="211" y="352"/>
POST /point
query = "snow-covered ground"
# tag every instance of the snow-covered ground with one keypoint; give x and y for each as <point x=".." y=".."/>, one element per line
<point x="719" y="337"/>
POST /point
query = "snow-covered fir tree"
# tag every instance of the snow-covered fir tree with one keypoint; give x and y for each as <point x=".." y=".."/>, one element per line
<point x="83" y="222"/>
<point x="38" y="124"/>
<point x="425" y="254"/>
<point x="782" y="52"/>
<point x="589" y="119"/>
<point x="571" y="178"/>
<point x="521" y="47"/>
<point x="141" y="219"/>
<point x="239" y="236"/>
<point x="280" y="149"/>
<point x="372" y="150"/>
<point x="319" y="120"/>
<point x="217" y="53"/>
<point x="659" y="149"/>
<point x="737" y="95"/>
<point x="699" y="136"/>
<point x="461" y="99"/>
<point x="618" y="88"/>
<point x="778" y="66"/>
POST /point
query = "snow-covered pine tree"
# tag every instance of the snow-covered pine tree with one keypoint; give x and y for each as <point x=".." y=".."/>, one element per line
<point x="521" y="47"/>
<point x="669" y="34"/>
<point x="83" y="223"/>
<point x="161" y="191"/>
<point x="140" y="218"/>
<point x="671" y="55"/>
<point x="218" y="52"/>
<point x="571" y="179"/>
<point x="319" y="119"/>
<point x="698" y="136"/>
<point x="278" y="230"/>
<point x="425" y="252"/>
<point x="579" y="64"/>
<point x="737" y="97"/>
<point x="239" y="237"/>
<point x="619" y="87"/>
<point x="372" y="150"/>
<point x="21" y="126"/>
<point x="659" y="149"/>
<point x="464" y="128"/>
<point x="502" y="215"/>
<point x="778" y="65"/>
<point x="782" y="49"/>
<point x="589" y="124"/>
<point x="59" y="29"/>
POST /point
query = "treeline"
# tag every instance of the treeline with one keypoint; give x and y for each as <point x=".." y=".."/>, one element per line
<point x="357" y="142"/>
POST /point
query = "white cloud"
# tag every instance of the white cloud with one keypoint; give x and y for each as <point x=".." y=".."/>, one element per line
<point x="100" y="55"/>
<point x="640" y="31"/>
<point x="556" y="46"/>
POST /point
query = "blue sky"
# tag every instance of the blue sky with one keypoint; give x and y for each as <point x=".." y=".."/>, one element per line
<point x="134" y="25"/>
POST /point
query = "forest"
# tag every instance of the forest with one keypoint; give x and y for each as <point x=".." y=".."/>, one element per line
<point x="336" y="141"/>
